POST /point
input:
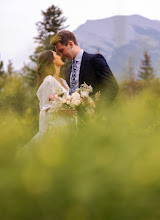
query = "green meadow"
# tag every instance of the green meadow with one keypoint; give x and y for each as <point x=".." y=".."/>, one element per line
<point x="108" y="168"/>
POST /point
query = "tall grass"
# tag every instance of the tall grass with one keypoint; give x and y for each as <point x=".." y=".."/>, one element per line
<point x="108" y="169"/>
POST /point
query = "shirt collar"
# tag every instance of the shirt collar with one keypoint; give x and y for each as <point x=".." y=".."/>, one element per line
<point x="79" y="56"/>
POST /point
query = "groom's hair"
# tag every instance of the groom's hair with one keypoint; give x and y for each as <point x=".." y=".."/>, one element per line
<point x="63" y="37"/>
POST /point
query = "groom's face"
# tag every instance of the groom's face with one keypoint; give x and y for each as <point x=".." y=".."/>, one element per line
<point x="65" y="51"/>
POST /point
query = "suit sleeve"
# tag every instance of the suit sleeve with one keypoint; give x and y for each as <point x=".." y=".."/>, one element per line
<point x="106" y="81"/>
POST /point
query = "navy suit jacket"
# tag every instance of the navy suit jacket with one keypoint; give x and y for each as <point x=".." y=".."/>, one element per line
<point x="95" y="71"/>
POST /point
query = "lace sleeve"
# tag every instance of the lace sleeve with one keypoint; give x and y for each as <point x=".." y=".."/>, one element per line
<point x="46" y="89"/>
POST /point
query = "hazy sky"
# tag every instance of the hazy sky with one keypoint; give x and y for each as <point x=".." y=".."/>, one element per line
<point x="18" y="18"/>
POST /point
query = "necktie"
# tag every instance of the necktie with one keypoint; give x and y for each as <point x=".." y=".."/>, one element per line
<point x="73" y="77"/>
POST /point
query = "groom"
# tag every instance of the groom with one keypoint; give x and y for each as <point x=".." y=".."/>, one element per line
<point x="89" y="68"/>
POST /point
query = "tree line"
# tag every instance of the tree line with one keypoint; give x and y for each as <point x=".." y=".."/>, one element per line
<point x="26" y="78"/>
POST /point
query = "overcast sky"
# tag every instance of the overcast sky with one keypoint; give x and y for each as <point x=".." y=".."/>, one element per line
<point x="18" y="18"/>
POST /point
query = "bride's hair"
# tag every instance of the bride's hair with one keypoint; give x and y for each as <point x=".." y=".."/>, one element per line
<point x="45" y="65"/>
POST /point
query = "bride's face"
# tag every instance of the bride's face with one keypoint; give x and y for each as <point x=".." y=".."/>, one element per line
<point x="57" y="59"/>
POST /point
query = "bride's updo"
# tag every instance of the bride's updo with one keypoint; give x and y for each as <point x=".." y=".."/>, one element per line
<point x="45" y="65"/>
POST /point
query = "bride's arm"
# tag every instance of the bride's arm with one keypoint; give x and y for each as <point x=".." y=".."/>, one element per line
<point x="47" y="89"/>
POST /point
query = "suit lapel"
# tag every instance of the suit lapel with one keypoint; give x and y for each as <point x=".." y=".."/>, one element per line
<point x="82" y="68"/>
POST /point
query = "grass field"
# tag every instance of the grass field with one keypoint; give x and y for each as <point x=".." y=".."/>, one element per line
<point x="108" y="169"/>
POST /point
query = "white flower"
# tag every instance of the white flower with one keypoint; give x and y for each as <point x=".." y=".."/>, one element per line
<point x="86" y="87"/>
<point x="84" y="94"/>
<point x="91" y="102"/>
<point x="62" y="99"/>
<point x="76" y="96"/>
<point x="90" y="89"/>
<point x="97" y="96"/>
<point x="75" y="102"/>
<point x="68" y="102"/>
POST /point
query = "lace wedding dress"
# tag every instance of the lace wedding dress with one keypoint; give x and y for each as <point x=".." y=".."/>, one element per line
<point x="48" y="121"/>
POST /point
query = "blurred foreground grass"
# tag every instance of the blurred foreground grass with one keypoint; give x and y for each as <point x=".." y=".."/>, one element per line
<point x="110" y="169"/>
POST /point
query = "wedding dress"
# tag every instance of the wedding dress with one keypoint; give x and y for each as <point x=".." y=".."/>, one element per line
<point x="48" y="121"/>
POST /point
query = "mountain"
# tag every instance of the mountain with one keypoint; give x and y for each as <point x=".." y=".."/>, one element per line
<point x="122" y="40"/>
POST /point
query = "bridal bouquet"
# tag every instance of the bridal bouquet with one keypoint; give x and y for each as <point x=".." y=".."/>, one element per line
<point x="79" y="100"/>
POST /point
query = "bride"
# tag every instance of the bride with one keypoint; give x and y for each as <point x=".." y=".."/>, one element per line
<point x="50" y="82"/>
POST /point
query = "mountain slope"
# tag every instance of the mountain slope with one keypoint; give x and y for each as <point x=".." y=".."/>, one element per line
<point x="122" y="41"/>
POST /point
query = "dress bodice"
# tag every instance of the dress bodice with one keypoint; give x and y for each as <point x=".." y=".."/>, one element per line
<point x="50" y="86"/>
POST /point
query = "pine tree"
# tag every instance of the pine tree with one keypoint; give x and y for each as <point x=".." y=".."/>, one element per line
<point x="2" y="72"/>
<point x="2" y="75"/>
<point x="130" y="86"/>
<point x="146" y="71"/>
<point x="10" y="70"/>
<point x="51" y="24"/>
<point x="30" y="75"/>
